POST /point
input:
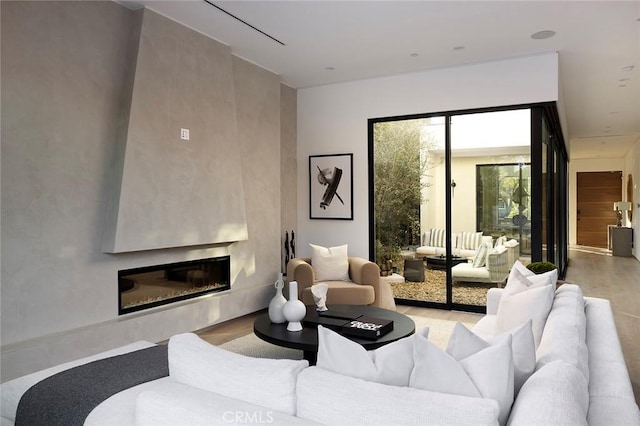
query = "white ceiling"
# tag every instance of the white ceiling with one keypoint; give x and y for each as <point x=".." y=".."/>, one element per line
<point x="362" y="39"/>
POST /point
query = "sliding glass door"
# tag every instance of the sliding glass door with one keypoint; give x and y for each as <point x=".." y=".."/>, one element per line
<point x="490" y="202"/>
<point x="457" y="198"/>
<point x="409" y="205"/>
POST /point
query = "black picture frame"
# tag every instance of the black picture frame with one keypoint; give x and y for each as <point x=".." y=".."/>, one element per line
<point x="331" y="186"/>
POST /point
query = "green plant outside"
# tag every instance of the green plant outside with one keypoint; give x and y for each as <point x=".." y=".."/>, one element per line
<point x="541" y="267"/>
<point x="398" y="184"/>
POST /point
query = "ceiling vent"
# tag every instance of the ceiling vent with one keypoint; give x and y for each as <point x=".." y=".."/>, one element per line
<point x="244" y="22"/>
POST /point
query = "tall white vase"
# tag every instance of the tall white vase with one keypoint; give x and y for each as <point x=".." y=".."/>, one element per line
<point x="294" y="310"/>
<point x="277" y="303"/>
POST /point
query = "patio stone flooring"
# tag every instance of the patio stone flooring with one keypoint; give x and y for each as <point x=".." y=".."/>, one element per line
<point x="434" y="290"/>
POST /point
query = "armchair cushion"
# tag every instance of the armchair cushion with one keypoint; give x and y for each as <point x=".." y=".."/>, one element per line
<point x="343" y="293"/>
<point x="330" y="264"/>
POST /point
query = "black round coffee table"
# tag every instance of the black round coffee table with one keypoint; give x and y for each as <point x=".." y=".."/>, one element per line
<point x="307" y="339"/>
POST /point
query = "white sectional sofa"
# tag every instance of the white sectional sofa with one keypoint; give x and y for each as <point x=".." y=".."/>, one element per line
<point x="579" y="378"/>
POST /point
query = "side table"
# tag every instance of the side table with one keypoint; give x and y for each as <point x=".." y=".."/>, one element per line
<point x="621" y="240"/>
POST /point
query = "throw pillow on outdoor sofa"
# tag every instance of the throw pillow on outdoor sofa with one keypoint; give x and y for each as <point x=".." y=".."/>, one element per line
<point x="470" y="240"/>
<point x="480" y="256"/>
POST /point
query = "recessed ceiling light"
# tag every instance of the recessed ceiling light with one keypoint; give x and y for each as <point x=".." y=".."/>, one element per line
<point x="622" y="85"/>
<point x="541" y="35"/>
<point x="458" y="48"/>
<point x="413" y="55"/>
<point x="329" y="68"/>
<point x="623" y="79"/>
<point x="628" y="68"/>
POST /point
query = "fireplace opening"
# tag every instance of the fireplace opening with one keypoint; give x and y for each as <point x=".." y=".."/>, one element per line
<point x="151" y="286"/>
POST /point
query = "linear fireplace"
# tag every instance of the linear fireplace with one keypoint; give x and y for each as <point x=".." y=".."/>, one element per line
<point x="151" y="286"/>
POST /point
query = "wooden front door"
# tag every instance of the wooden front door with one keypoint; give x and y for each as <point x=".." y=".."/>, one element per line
<point x="597" y="191"/>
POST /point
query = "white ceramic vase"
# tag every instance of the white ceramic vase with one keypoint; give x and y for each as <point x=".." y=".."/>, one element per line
<point x="294" y="310"/>
<point x="277" y="303"/>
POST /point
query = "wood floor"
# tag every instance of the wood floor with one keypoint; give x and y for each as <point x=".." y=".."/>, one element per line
<point x="598" y="273"/>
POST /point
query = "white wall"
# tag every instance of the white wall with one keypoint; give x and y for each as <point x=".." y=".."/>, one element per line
<point x="333" y="119"/>
<point x="632" y="166"/>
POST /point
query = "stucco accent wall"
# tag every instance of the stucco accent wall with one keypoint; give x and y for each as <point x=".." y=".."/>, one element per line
<point x="64" y="68"/>
<point x="171" y="188"/>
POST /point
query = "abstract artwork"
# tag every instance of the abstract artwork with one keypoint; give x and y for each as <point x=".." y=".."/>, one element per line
<point x="331" y="186"/>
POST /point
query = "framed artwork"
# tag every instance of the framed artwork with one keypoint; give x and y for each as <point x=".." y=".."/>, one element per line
<point x="331" y="186"/>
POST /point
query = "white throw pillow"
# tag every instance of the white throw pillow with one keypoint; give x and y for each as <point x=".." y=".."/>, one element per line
<point x="437" y="238"/>
<point x="510" y="243"/>
<point x="480" y="256"/>
<point x="390" y="364"/>
<point x="538" y="280"/>
<point x="499" y="249"/>
<point x="330" y="264"/>
<point x="523" y="269"/>
<point x="487" y="373"/>
<point x="464" y="343"/>
<point x="517" y="282"/>
<point x="500" y="241"/>
<point x="470" y="240"/>
<point x="517" y="308"/>
<point x="270" y="383"/>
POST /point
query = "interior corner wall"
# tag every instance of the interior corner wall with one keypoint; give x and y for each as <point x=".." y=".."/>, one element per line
<point x="63" y="71"/>
<point x="632" y="167"/>
<point x="289" y="168"/>
<point x="332" y="119"/>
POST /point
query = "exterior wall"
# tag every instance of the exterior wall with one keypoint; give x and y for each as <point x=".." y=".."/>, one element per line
<point x="463" y="217"/>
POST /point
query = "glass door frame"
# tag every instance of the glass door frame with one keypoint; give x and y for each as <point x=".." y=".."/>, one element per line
<point x="546" y="111"/>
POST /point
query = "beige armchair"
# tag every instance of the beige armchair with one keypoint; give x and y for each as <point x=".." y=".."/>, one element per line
<point x="365" y="287"/>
